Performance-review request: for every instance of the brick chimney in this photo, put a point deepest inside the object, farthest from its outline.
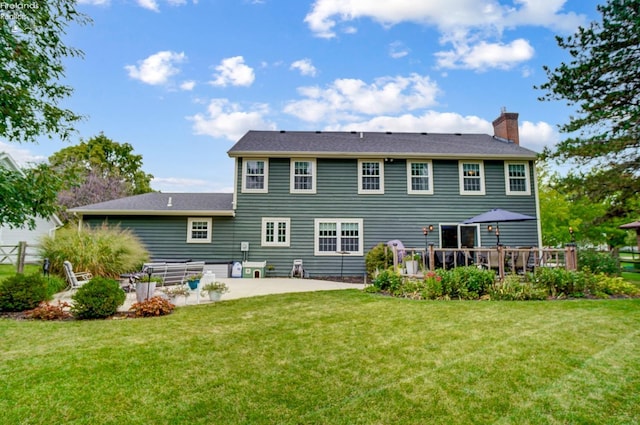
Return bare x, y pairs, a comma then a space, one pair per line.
506, 126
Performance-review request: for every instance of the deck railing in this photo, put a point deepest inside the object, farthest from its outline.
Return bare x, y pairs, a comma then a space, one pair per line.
501, 259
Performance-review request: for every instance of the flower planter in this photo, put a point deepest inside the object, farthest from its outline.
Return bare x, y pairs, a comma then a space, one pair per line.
215, 295
193, 284
412, 267
145, 290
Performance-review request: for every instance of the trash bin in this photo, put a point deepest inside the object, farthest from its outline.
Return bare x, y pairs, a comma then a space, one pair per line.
236, 269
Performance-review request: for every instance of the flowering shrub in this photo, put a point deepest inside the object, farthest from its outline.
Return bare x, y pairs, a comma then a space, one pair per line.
156, 306
432, 286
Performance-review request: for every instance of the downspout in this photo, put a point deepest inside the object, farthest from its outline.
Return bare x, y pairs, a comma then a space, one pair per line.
537, 195
235, 185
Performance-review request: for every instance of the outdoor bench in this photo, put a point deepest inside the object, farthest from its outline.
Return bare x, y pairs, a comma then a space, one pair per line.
172, 273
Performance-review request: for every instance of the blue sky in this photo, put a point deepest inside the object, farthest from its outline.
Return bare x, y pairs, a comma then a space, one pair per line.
182, 80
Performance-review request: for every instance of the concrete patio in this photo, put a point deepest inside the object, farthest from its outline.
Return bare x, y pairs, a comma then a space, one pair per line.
244, 288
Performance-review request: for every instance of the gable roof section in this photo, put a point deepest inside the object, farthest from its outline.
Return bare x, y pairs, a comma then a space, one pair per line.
156, 203
376, 144
7, 162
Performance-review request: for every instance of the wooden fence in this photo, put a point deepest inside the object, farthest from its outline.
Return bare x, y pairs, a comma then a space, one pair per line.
19, 255
501, 259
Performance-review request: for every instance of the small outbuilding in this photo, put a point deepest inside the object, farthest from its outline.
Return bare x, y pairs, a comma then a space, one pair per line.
634, 225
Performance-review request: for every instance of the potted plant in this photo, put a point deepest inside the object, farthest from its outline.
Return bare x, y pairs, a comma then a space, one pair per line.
215, 290
173, 292
193, 280
271, 269
146, 287
411, 263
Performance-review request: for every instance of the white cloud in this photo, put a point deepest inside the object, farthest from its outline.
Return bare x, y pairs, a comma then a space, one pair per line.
233, 71
187, 85
305, 67
179, 184
547, 13
21, 156
94, 2
447, 15
157, 68
146, 4
226, 119
472, 26
485, 55
534, 136
398, 50
349, 98
149, 4
430, 121
537, 136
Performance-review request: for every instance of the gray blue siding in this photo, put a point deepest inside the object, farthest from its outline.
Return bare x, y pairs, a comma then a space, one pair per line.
393, 215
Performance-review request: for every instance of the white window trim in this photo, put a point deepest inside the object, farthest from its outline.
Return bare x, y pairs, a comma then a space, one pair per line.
276, 220
429, 176
314, 173
338, 221
209, 222
362, 191
265, 189
461, 178
526, 178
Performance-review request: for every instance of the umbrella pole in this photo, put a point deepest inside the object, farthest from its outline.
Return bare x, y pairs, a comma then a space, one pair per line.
498, 233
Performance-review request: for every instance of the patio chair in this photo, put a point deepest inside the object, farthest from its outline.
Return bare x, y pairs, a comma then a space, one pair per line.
522, 261
75, 279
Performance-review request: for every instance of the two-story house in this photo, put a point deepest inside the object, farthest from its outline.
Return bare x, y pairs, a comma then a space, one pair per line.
328, 197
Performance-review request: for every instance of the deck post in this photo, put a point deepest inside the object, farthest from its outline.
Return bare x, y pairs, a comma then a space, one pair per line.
570, 257
432, 258
500, 262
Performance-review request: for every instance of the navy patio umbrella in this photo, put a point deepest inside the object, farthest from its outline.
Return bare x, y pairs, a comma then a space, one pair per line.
497, 216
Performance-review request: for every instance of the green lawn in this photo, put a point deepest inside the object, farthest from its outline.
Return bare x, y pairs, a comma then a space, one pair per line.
339, 357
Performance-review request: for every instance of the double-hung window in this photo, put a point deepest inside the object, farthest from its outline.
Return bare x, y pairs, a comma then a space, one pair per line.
370, 176
255, 175
276, 231
199, 230
471, 177
338, 236
420, 177
303, 176
516, 176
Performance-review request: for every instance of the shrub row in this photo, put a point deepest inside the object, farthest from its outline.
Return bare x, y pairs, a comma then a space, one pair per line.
470, 283
458, 283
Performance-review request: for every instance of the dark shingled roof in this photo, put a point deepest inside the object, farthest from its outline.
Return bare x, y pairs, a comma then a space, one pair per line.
157, 203
368, 144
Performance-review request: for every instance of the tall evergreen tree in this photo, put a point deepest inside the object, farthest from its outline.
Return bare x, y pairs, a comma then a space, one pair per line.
602, 81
